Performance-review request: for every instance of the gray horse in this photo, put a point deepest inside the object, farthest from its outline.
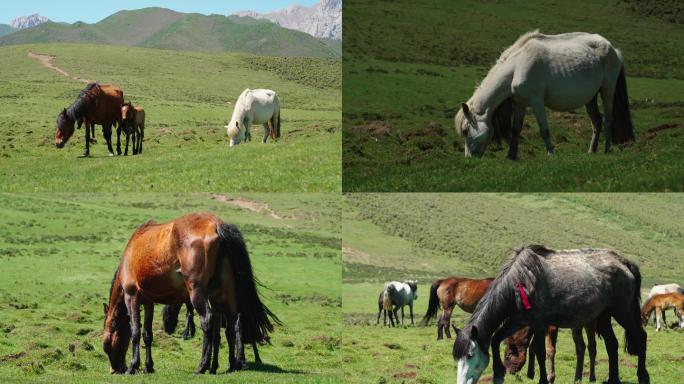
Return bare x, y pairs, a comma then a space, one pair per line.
396, 295
541, 287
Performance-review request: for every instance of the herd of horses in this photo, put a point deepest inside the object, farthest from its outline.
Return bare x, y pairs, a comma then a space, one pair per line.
104, 104
196, 260
538, 291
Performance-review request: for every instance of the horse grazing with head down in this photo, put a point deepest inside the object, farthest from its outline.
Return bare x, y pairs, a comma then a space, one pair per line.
133, 125
197, 258
661, 302
569, 289
396, 295
96, 104
562, 72
254, 106
452, 291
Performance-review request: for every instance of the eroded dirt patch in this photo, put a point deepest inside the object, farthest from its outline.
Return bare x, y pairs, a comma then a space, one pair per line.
46, 61
351, 254
249, 205
375, 128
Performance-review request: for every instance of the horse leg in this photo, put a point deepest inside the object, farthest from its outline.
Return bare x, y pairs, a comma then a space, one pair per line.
379, 311
447, 320
230, 338
402, 315
267, 132
579, 352
518, 119
440, 326
507, 329
107, 130
607, 94
629, 318
239, 347
133, 307
605, 329
141, 136
530, 360
540, 115
189, 331
540, 351
128, 135
658, 317
216, 343
664, 319
257, 359
551, 339
87, 141
595, 116
591, 339
201, 304
147, 337
411, 312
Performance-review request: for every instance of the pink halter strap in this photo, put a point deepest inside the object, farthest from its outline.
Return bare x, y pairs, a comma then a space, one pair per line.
523, 295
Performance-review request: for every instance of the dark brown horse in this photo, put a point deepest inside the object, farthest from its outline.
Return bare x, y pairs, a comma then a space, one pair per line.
197, 258
517, 344
452, 291
96, 104
133, 125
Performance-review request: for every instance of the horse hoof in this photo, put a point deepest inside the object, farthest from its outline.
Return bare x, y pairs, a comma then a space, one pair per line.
111, 154
130, 371
149, 370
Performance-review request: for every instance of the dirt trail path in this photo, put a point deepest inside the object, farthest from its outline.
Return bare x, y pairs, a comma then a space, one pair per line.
249, 205
46, 61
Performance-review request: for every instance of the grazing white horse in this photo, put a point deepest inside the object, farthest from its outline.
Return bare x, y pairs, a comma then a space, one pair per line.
398, 295
254, 106
562, 72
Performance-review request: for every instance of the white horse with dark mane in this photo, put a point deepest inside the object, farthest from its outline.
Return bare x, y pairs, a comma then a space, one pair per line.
396, 295
562, 72
254, 106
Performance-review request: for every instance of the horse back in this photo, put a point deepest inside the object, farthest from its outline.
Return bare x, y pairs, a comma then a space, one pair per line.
108, 103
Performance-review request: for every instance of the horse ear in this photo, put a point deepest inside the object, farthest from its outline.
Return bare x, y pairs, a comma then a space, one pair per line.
64, 111
456, 329
466, 110
106, 308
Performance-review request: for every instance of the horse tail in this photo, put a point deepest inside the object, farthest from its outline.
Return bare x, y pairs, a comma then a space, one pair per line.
256, 319
277, 124
433, 304
386, 298
622, 130
170, 317
635, 338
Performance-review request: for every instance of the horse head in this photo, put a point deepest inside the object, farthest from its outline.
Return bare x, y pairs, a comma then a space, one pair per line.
475, 129
235, 132
117, 330
64, 129
471, 355
515, 354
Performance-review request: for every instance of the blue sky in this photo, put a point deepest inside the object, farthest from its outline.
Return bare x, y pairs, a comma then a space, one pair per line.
92, 11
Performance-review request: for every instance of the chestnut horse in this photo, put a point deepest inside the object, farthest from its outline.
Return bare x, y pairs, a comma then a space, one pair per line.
96, 104
461, 291
197, 258
659, 303
132, 124
517, 344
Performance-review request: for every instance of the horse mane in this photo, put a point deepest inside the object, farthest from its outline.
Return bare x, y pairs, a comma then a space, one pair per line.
144, 227
79, 107
523, 266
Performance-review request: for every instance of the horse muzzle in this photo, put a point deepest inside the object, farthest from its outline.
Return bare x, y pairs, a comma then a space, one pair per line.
59, 143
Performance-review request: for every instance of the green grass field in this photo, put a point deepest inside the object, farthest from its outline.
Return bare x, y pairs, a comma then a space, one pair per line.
59, 252
188, 99
411, 70
429, 236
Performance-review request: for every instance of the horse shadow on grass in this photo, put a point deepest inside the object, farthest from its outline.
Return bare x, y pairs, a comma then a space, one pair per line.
270, 368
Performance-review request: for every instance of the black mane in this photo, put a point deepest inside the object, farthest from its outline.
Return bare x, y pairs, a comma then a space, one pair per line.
79, 107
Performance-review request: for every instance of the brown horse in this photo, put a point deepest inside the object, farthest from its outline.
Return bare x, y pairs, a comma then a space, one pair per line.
461, 291
517, 344
660, 303
133, 124
196, 257
96, 104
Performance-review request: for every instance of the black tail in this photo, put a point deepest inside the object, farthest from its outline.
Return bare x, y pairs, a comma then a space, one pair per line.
256, 318
170, 317
433, 305
277, 126
635, 340
622, 129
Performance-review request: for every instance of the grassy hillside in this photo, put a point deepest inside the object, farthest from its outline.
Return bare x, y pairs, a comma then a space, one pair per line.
59, 252
430, 236
6, 29
406, 73
188, 99
167, 29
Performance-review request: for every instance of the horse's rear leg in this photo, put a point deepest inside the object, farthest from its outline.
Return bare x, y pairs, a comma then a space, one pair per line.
189, 331
133, 307
201, 304
579, 352
597, 125
216, 343
147, 338
141, 135
540, 115
607, 95
107, 132
591, 339
411, 312
257, 359
267, 132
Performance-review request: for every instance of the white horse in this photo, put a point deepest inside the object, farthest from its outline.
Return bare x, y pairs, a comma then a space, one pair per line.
254, 106
396, 295
661, 289
562, 72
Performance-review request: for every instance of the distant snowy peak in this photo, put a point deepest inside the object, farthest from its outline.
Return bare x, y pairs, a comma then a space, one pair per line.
28, 21
323, 20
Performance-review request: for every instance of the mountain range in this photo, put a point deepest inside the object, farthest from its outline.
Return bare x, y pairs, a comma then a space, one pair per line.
168, 29
28, 21
322, 20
